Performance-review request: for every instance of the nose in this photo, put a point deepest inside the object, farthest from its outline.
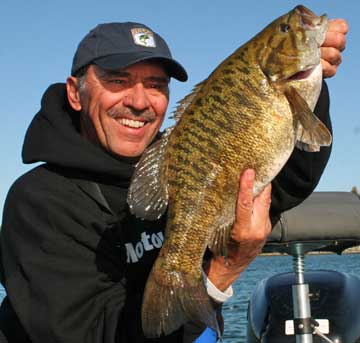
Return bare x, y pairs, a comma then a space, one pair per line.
136, 98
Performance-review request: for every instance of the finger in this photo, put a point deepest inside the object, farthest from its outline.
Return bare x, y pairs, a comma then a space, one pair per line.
329, 70
331, 55
263, 201
261, 210
338, 25
245, 198
335, 39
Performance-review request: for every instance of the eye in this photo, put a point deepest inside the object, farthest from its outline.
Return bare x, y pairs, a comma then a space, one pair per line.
155, 85
158, 86
118, 81
285, 27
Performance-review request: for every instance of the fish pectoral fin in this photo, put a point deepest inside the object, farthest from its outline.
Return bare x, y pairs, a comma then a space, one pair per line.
311, 133
148, 194
219, 239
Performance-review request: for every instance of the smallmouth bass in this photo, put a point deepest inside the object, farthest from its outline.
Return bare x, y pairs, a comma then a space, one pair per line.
251, 112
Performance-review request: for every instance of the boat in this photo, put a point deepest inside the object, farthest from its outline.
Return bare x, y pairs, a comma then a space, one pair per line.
310, 306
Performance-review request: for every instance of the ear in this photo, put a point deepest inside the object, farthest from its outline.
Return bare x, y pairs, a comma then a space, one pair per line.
73, 94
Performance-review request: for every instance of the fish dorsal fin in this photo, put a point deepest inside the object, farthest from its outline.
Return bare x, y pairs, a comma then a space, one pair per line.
148, 194
186, 101
311, 132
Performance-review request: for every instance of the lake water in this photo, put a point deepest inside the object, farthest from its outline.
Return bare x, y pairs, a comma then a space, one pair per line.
234, 310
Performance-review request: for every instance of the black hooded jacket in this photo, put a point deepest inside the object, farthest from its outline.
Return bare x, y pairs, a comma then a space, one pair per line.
74, 261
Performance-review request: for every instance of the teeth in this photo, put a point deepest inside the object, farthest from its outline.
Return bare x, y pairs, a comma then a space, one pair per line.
132, 123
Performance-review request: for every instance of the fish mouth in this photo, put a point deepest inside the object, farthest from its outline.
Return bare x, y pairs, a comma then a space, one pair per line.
308, 18
310, 21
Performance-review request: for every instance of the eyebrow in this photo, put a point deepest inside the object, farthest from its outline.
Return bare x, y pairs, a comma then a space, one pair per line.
121, 73
163, 79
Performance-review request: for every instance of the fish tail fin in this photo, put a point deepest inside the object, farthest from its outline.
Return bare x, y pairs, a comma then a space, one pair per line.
166, 307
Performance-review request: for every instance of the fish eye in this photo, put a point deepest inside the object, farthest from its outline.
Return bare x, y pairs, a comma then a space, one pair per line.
284, 27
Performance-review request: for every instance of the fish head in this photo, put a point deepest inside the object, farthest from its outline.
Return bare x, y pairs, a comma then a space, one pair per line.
291, 45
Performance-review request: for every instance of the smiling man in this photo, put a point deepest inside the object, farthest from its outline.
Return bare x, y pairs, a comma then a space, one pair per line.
74, 261
123, 109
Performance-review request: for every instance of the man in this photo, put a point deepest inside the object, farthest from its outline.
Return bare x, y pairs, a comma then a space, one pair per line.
74, 260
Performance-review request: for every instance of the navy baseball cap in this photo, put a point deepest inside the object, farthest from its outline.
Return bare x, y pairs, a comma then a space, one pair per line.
118, 45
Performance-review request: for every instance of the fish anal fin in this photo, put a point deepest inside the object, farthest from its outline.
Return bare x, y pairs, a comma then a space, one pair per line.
220, 238
148, 194
311, 133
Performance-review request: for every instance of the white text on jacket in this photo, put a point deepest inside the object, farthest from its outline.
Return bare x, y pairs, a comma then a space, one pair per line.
148, 242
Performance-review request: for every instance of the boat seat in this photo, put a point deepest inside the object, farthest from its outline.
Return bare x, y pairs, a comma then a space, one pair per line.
328, 221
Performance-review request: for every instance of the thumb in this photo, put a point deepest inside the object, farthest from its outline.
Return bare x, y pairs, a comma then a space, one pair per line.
244, 206
262, 206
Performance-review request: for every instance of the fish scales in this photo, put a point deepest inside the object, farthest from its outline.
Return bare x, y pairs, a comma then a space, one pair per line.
249, 113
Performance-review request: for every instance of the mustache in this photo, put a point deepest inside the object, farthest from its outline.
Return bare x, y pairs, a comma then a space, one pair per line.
119, 112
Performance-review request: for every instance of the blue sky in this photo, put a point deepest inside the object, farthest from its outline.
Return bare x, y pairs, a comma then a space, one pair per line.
38, 40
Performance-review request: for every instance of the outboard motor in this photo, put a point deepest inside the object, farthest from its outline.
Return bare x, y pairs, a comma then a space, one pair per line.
310, 306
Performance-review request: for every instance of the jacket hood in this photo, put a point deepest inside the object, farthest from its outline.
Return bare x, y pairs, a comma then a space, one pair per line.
53, 137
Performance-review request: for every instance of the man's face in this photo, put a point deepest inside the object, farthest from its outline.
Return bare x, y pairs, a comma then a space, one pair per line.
123, 110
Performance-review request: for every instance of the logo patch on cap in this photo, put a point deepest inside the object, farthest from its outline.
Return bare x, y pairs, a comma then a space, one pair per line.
143, 37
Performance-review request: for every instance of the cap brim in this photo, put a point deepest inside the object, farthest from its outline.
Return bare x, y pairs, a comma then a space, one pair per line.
118, 61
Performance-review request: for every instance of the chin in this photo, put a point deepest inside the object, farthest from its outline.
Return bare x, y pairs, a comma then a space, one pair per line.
131, 151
